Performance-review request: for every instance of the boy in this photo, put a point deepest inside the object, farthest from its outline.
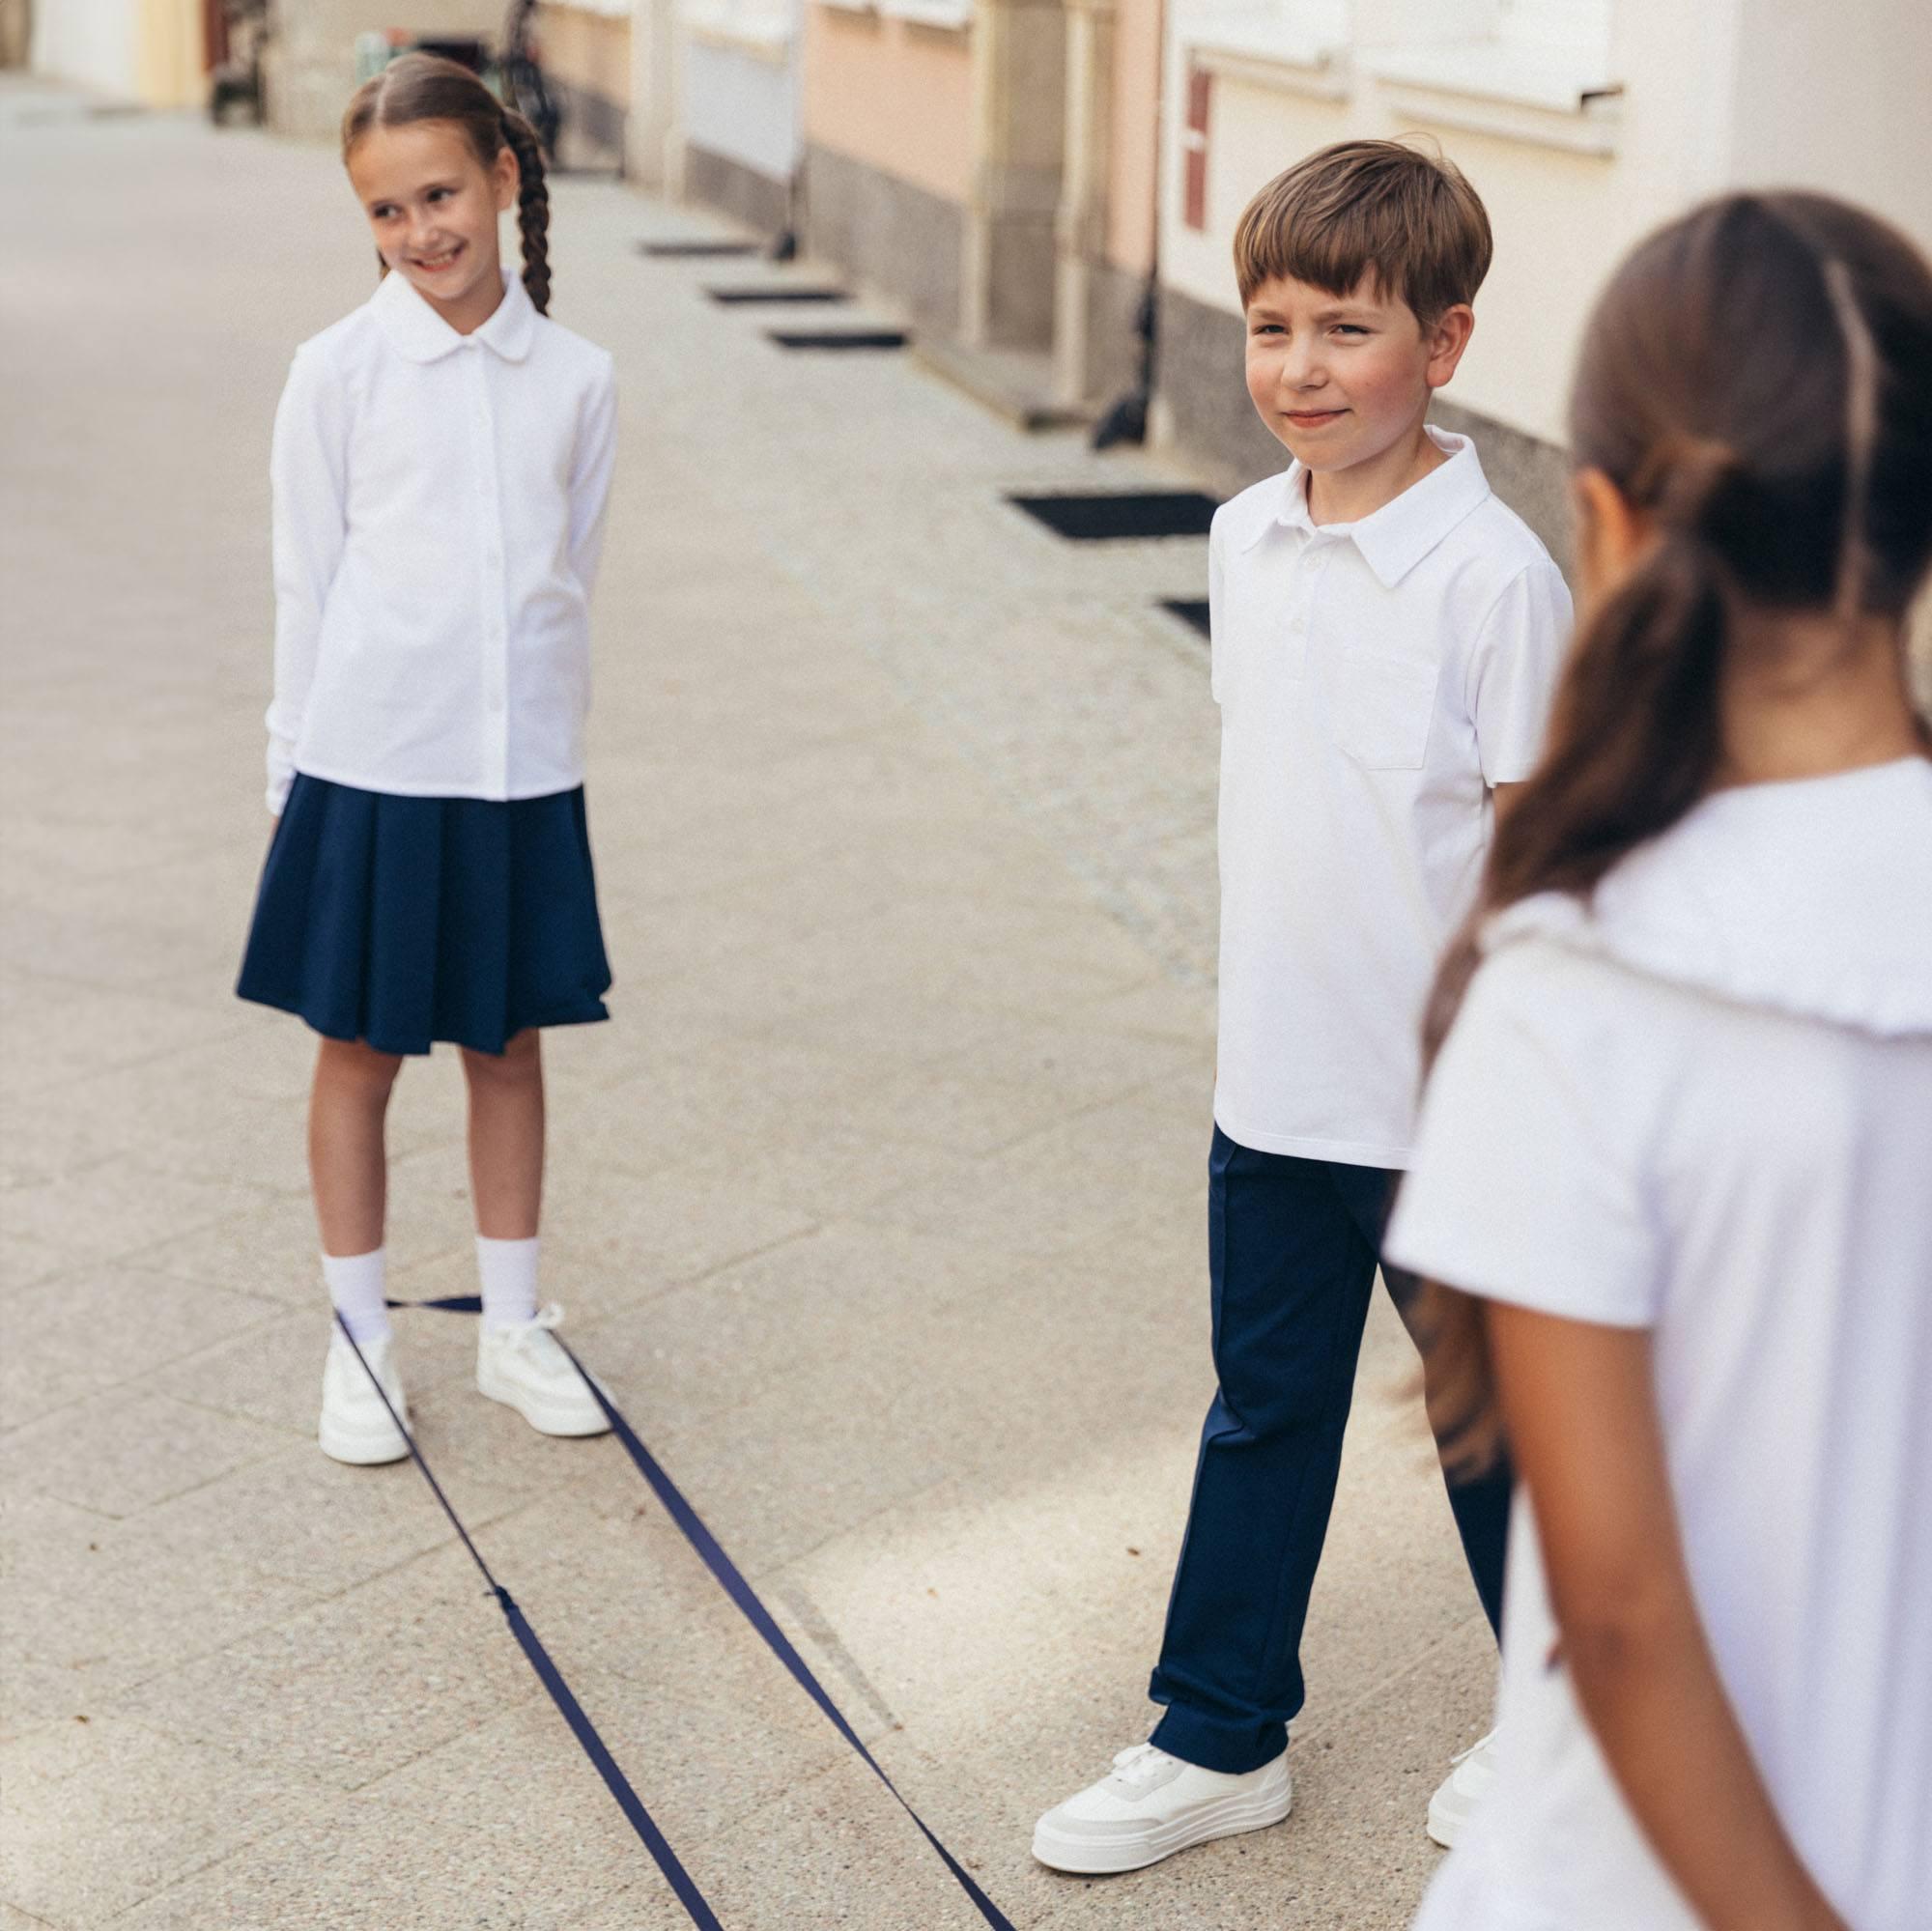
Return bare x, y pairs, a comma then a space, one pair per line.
1386, 637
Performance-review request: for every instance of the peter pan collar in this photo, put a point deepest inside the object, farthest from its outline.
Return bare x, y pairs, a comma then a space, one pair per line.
1812, 898
416, 330
1399, 535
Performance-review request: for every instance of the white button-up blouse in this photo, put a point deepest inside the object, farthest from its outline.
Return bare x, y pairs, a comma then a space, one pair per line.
439, 511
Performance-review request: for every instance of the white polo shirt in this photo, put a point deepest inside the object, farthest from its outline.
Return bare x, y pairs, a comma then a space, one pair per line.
1374, 680
438, 510
1704, 1108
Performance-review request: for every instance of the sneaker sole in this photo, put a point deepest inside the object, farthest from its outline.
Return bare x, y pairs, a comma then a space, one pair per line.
1226, 1817
544, 1419
360, 1451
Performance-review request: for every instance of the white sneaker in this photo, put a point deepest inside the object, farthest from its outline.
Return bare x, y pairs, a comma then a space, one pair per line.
1154, 1805
355, 1426
525, 1367
1467, 1784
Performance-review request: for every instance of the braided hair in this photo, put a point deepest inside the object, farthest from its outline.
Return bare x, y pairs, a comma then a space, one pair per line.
1757, 381
426, 87
532, 205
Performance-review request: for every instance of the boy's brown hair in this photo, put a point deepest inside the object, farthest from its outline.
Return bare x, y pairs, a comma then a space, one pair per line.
1376, 208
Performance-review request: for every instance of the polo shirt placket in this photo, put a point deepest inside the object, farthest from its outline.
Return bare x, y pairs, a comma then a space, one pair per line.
494, 642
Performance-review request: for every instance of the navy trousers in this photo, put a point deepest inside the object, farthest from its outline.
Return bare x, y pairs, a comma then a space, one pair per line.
1293, 1247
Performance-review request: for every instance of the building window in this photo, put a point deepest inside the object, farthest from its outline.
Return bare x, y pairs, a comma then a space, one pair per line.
1194, 147
1543, 57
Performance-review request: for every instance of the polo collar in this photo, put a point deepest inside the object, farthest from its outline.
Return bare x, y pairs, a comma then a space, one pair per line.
1399, 535
416, 330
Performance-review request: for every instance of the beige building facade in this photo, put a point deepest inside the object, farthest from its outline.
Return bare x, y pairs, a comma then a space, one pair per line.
1582, 123
585, 47
990, 166
151, 52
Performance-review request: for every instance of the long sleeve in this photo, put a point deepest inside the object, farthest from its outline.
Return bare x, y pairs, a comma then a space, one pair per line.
595, 457
309, 474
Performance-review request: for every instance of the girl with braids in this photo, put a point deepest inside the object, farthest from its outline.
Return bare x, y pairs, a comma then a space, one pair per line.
441, 458
1675, 1161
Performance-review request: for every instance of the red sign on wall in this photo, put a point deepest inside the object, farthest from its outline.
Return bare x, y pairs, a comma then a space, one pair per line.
1194, 148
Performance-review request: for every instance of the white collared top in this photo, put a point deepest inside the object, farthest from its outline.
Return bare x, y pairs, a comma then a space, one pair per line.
1701, 1105
439, 511
1374, 679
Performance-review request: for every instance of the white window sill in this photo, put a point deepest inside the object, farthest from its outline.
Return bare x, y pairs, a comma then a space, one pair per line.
944, 15
772, 45
1551, 95
1255, 58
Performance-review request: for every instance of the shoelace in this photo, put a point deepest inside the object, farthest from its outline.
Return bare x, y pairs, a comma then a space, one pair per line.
1138, 1763
1481, 1743
548, 1317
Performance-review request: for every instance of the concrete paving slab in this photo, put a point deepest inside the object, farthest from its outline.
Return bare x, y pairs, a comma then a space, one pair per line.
104, 1812
93, 1605
96, 1327
369, 1863
342, 1694
103, 1214
116, 1453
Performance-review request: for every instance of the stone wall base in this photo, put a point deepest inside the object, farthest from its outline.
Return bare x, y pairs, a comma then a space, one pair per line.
733, 188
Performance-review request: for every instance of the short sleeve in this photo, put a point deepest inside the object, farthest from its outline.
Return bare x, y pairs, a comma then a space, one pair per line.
1214, 600
1513, 671
1522, 1188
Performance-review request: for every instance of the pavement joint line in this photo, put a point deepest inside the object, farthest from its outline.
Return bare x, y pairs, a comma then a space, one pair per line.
30, 1917
817, 1626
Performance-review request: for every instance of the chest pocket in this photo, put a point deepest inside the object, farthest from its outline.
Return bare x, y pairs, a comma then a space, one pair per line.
1381, 699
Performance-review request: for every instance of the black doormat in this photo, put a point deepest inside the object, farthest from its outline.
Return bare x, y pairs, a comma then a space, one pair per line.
838, 338
1094, 518
1191, 610
737, 296
696, 250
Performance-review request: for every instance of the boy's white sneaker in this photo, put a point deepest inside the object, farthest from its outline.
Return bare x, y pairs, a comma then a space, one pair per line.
1153, 1805
354, 1426
1471, 1777
524, 1368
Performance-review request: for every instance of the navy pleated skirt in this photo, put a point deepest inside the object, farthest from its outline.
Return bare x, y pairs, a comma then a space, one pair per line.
404, 920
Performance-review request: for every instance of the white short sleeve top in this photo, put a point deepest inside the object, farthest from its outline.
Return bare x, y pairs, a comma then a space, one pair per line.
1374, 679
1703, 1107
439, 513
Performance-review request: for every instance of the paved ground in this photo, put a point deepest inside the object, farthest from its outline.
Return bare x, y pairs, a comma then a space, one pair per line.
878, 1204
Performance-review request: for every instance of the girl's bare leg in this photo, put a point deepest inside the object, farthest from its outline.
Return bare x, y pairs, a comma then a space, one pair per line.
346, 1162
506, 1137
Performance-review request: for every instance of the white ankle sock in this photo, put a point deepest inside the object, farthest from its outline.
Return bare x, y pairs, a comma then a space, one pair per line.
356, 1285
508, 1271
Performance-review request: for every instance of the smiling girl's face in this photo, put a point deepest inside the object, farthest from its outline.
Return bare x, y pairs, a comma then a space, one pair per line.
432, 208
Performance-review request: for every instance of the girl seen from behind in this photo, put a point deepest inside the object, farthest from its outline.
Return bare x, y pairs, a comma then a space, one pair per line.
442, 459
1672, 1165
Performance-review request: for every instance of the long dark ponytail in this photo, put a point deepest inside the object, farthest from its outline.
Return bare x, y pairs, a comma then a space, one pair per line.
426, 87
1757, 382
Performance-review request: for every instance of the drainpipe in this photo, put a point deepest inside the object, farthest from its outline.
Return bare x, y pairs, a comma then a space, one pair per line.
1126, 418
